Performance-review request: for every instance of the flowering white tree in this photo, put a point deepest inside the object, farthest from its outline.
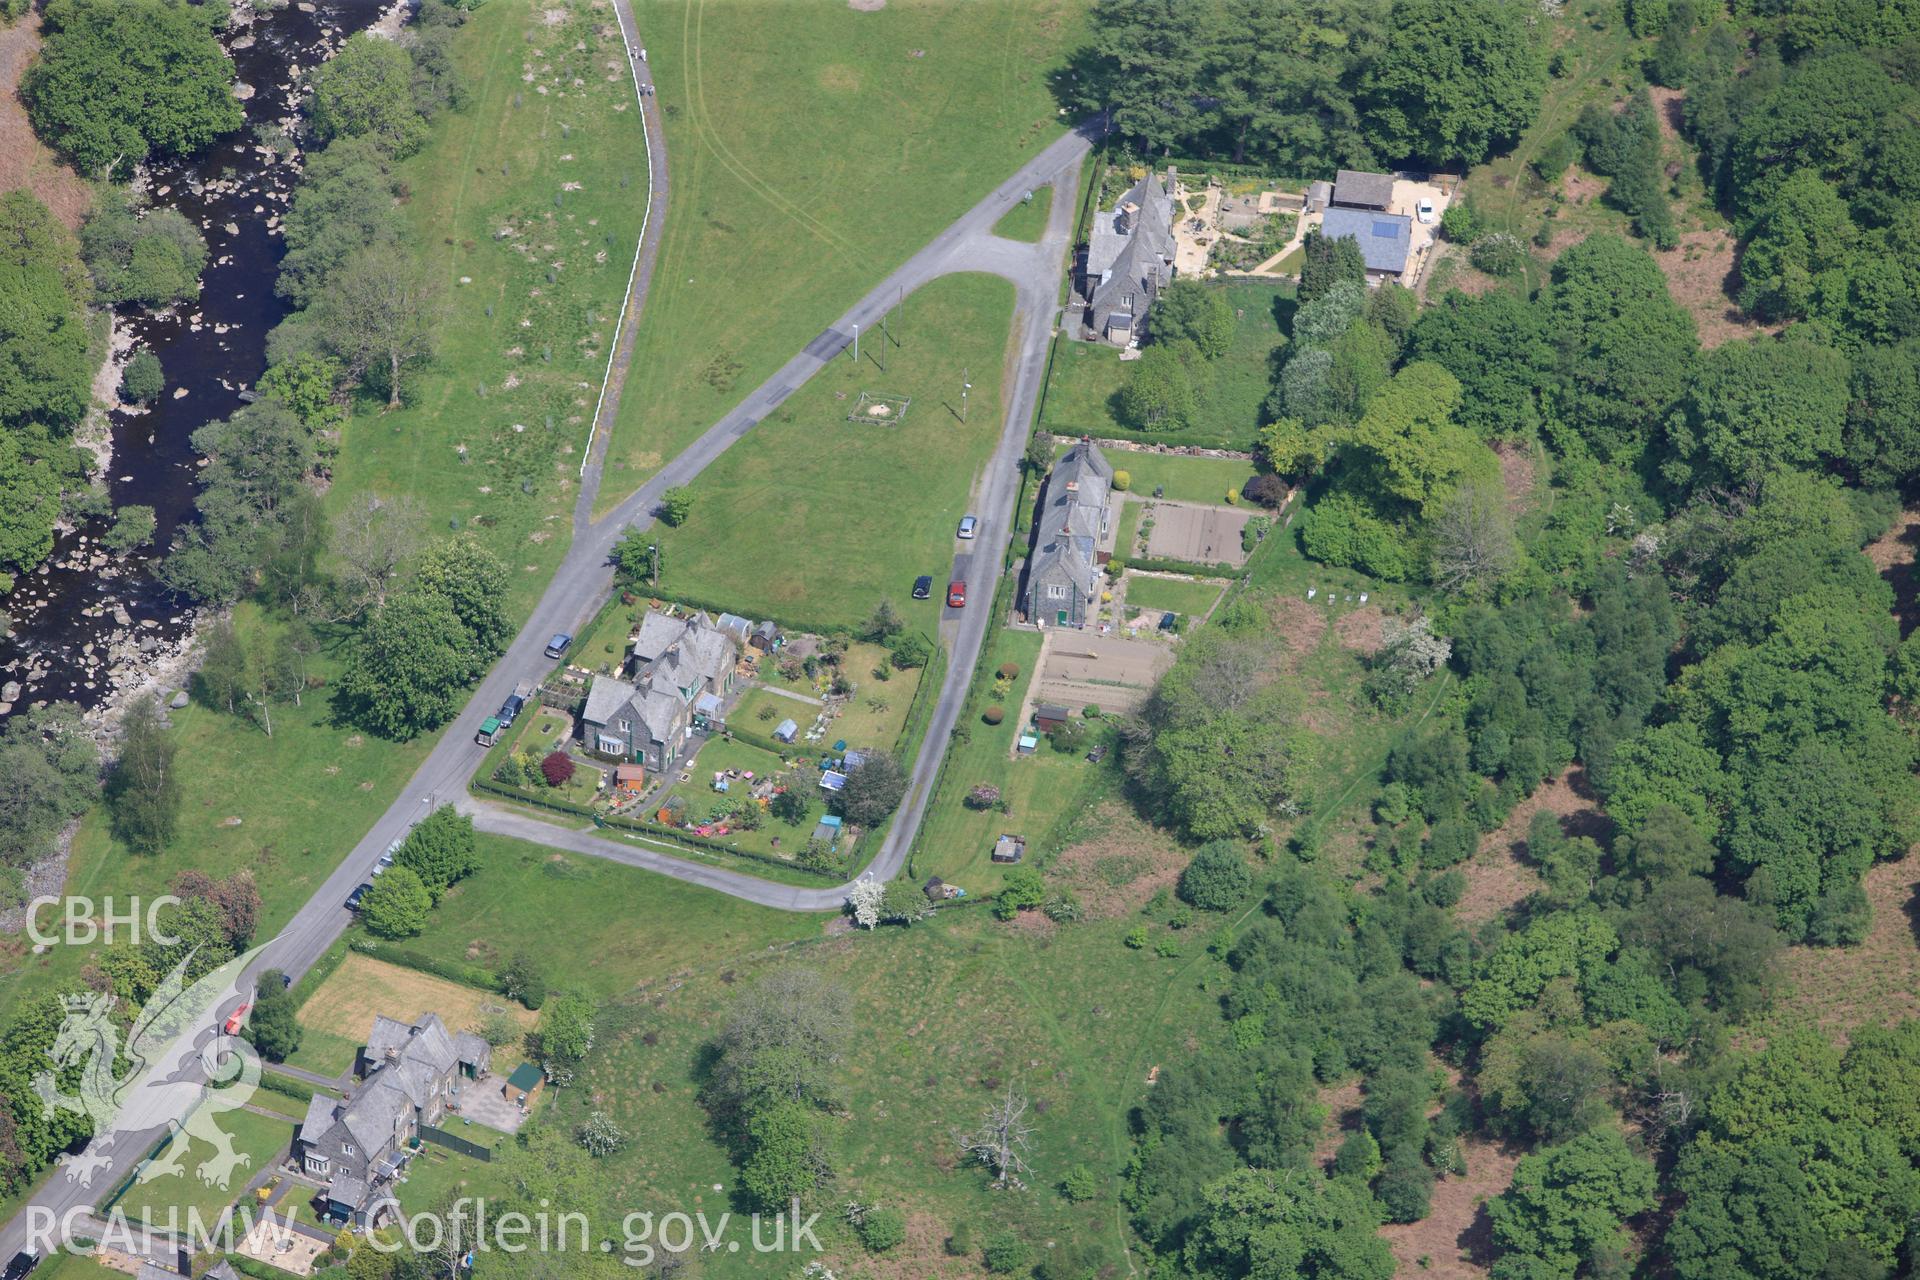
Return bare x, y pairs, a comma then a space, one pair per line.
864, 897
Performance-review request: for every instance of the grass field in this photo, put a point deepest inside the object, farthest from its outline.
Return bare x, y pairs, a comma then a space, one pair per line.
288, 807
435, 1174
593, 924
260, 1137
945, 1015
1084, 382
814, 148
1190, 598
1027, 220
811, 519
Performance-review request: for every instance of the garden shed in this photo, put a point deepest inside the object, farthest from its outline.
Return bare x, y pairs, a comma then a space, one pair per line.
1009, 849
786, 731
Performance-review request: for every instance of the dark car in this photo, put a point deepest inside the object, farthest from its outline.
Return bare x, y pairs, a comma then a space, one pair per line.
23, 1262
923, 586
510, 709
558, 646
353, 899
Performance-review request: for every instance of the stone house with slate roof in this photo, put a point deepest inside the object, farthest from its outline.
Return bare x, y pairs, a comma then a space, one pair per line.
675, 663
1129, 261
1064, 578
410, 1074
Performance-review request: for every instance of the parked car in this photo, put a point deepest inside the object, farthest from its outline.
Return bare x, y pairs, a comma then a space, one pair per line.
1424, 211
967, 525
956, 595
237, 1019
923, 586
21, 1264
510, 709
353, 899
558, 646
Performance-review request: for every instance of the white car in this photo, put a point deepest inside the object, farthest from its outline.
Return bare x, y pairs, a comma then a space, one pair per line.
1424, 211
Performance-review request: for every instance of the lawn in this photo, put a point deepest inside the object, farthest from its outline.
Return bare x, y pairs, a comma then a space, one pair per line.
1185, 479
260, 1137
288, 806
811, 519
1028, 219
814, 148
1085, 378
1169, 594
1040, 790
593, 924
436, 1174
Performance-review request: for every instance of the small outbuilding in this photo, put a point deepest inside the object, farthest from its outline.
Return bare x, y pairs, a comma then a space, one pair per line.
630, 778
1009, 849
1049, 716
786, 731
765, 637
523, 1086
832, 780
1358, 189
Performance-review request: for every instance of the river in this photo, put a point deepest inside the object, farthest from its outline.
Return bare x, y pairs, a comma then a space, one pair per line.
88, 624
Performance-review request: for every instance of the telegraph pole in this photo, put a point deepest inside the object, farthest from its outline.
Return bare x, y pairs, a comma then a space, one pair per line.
965, 386
856, 344
884, 339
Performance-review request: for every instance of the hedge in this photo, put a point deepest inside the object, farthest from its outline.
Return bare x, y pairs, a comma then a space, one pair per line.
467, 975
1151, 565
288, 1086
654, 829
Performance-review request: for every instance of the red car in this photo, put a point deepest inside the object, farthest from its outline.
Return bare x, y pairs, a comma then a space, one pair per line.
956, 595
237, 1018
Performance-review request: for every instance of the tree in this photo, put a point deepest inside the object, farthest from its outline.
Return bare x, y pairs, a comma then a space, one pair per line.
1142, 66
45, 371
49, 771
253, 501
1159, 393
882, 1229
440, 850
863, 900
380, 309
1758, 405
144, 379
792, 800
1495, 346
153, 257
599, 1135
910, 651
565, 1036
274, 1027
1625, 349
408, 666
143, 790
781, 1042
1457, 80
903, 902
1474, 549
1795, 264
345, 202
1038, 458
366, 90
1256, 1223
397, 905
1002, 1141
1881, 439
784, 1162
882, 624
370, 541
1568, 1205
873, 790
556, 767
472, 580
676, 504
222, 678
1217, 878
1188, 311
119, 80
1327, 262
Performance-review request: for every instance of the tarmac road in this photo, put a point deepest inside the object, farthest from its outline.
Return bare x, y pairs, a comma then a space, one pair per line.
585, 578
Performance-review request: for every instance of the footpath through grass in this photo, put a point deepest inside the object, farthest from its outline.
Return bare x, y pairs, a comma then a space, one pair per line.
814, 148
290, 805
812, 519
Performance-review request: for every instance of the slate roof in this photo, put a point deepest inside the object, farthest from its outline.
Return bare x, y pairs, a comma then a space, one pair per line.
1131, 249
605, 696
658, 712
1077, 496
319, 1118
1359, 188
472, 1050
1385, 239
656, 635
348, 1190
373, 1116
1063, 556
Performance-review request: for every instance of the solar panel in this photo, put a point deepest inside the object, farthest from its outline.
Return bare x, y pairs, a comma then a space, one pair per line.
1387, 230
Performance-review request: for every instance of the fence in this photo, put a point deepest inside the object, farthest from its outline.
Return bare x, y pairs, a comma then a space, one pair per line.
454, 1142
